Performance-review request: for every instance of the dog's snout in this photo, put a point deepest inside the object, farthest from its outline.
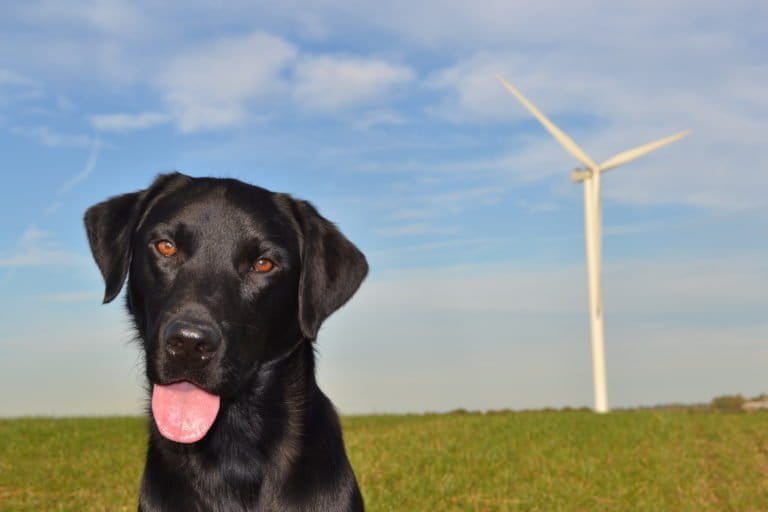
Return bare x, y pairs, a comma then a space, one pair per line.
191, 342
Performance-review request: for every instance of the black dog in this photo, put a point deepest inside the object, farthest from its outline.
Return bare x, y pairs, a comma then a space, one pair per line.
227, 286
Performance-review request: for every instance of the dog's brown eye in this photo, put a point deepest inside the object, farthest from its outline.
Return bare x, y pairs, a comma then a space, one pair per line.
263, 265
166, 248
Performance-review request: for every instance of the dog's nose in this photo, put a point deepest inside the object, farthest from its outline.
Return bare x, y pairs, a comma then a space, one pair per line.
191, 342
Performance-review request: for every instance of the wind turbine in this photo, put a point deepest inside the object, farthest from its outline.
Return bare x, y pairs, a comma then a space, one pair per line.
590, 176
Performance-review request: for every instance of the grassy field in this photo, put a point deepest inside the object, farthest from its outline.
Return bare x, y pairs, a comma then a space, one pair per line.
533, 461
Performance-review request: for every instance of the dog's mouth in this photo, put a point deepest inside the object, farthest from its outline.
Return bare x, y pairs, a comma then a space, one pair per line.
183, 412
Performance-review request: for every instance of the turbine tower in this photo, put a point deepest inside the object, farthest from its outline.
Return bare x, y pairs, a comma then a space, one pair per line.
590, 176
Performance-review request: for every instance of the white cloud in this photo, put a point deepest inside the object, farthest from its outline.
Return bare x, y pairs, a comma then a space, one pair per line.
474, 93
432, 210
379, 118
214, 86
78, 178
225, 83
458, 27
8, 77
95, 59
414, 229
637, 102
331, 83
541, 207
128, 122
64, 103
32, 235
48, 137
37, 248
16, 89
110, 17
53, 207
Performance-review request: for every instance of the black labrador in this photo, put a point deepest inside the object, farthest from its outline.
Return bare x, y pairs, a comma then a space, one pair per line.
228, 285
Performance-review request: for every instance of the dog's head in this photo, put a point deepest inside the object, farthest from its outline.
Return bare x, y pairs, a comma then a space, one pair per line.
223, 278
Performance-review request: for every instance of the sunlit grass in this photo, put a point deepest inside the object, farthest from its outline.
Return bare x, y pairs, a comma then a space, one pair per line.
532, 461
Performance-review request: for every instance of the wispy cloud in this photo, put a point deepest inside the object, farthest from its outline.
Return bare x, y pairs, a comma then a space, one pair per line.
213, 86
414, 229
8, 77
332, 83
128, 122
539, 206
226, 82
32, 235
112, 17
36, 248
48, 137
90, 165
529, 159
379, 118
53, 207
474, 195
65, 103
606, 113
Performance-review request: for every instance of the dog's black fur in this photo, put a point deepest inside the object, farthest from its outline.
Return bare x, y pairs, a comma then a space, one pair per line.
276, 444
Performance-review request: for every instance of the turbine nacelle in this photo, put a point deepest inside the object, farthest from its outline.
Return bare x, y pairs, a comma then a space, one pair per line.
580, 174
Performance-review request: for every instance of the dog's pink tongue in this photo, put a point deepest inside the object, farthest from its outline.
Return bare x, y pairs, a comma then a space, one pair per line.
183, 412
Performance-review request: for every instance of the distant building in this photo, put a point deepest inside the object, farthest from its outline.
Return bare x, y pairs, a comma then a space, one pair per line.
756, 405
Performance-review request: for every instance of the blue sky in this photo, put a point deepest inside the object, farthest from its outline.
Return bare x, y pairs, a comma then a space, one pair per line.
388, 117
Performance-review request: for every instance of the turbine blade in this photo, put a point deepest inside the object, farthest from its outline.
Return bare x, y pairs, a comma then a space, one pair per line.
631, 154
558, 134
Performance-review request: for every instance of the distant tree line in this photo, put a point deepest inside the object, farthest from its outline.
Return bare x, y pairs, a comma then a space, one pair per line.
736, 403
723, 403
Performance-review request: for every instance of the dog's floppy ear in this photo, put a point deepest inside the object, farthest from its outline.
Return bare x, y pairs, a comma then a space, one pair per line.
332, 268
110, 226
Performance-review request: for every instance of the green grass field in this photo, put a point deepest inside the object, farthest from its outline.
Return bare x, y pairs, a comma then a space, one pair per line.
533, 461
